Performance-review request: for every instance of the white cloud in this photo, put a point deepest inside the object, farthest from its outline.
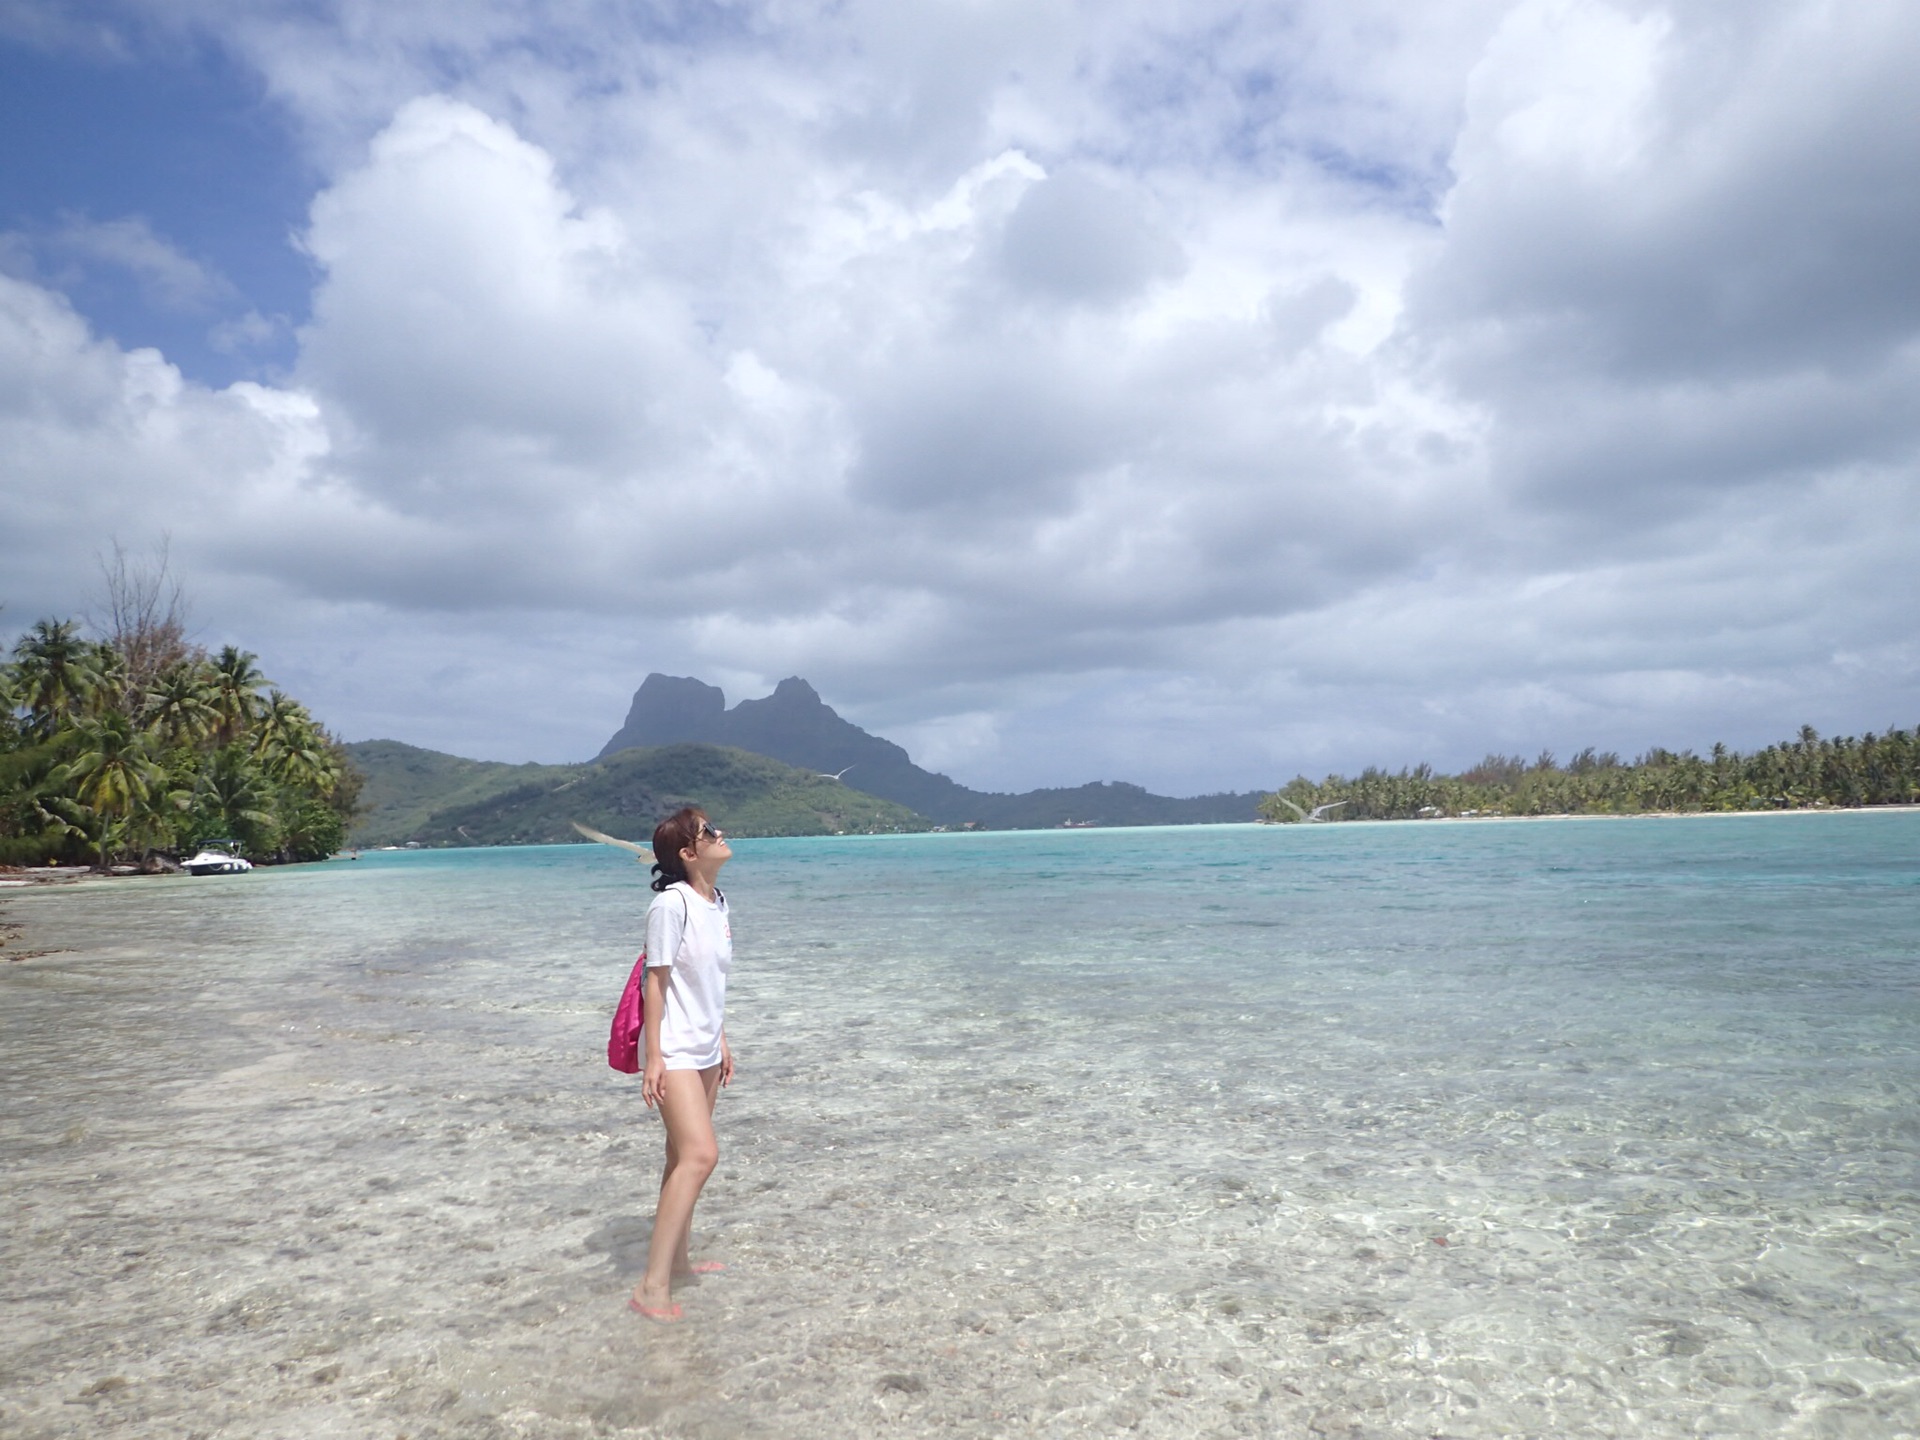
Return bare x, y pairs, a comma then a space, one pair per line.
1189, 395
1567, 88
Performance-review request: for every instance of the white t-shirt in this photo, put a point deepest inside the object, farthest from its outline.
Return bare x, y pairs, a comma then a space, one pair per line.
692, 938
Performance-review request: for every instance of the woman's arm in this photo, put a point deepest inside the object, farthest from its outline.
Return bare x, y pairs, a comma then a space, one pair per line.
652, 1083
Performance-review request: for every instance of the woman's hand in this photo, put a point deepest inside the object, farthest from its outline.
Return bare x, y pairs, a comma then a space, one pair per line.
726, 1061
653, 1084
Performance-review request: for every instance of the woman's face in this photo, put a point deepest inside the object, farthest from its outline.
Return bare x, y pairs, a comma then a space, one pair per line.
709, 850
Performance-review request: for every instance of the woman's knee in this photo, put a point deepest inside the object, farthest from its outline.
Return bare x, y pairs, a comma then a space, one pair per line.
700, 1155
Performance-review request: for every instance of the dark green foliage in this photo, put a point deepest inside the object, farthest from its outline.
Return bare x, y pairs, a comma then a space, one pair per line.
232, 798
1799, 774
103, 759
432, 799
26, 827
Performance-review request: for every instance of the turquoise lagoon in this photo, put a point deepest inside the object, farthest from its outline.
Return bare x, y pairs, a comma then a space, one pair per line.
1581, 1128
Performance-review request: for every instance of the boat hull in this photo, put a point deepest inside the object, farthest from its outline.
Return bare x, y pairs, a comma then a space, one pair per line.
217, 865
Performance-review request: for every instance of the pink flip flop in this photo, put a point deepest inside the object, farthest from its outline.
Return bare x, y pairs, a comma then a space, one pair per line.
707, 1267
653, 1312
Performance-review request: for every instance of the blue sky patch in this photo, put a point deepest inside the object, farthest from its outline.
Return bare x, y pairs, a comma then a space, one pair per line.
161, 195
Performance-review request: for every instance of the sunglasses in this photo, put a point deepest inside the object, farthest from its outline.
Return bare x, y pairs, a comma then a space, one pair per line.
708, 832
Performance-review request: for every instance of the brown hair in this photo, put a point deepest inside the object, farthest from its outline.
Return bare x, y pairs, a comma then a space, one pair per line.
679, 831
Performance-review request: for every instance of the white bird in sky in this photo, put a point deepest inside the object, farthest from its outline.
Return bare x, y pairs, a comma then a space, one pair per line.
836, 776
1319, 811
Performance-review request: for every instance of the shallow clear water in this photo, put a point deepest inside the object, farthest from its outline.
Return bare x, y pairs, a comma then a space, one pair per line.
1561, 1129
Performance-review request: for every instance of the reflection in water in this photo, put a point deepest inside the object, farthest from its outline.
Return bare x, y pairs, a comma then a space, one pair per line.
1578, 1129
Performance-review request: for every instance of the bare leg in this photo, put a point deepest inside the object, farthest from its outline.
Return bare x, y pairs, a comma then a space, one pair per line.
692, 1152
682, 1263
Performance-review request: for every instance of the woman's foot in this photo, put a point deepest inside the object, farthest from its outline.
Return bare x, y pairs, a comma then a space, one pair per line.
657, 1306
705, 1267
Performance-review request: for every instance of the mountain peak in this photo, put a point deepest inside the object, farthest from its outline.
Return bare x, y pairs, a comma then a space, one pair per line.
796, 726
793, 725
793, 690
669, 710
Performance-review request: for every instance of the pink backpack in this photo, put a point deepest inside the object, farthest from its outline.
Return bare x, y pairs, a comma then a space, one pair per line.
629, 1021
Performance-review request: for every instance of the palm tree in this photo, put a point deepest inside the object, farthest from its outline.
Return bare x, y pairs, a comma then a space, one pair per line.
12, 702
108, 685
237, 682
115, 780
275, 724
233, 798
295, 751
53, 673
180, 704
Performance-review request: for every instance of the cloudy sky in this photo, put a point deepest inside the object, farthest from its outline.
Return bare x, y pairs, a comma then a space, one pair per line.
1192, 393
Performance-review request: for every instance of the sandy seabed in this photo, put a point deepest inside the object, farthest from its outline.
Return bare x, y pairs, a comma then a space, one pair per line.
282, 1166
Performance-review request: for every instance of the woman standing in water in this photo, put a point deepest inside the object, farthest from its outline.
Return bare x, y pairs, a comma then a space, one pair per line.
689, 952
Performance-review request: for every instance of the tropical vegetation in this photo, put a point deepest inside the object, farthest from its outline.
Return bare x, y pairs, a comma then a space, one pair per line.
140, 745
422, 797
1805, 773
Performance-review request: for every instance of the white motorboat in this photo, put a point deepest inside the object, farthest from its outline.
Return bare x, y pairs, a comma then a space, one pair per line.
218, 857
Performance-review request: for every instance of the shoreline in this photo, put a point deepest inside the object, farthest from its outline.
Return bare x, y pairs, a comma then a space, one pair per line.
23, 877
1630, 815
20, 877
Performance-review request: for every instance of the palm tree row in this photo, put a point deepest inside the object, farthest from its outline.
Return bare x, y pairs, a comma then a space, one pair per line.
1798, 774
98, 761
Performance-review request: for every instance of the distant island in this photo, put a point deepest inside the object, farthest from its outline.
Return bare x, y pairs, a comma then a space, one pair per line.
139, 746
1805, 773
788, 764
422, 797
796, 726
785, 764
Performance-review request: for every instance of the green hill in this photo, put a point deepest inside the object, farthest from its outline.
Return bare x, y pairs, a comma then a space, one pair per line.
434, 799
406, 785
